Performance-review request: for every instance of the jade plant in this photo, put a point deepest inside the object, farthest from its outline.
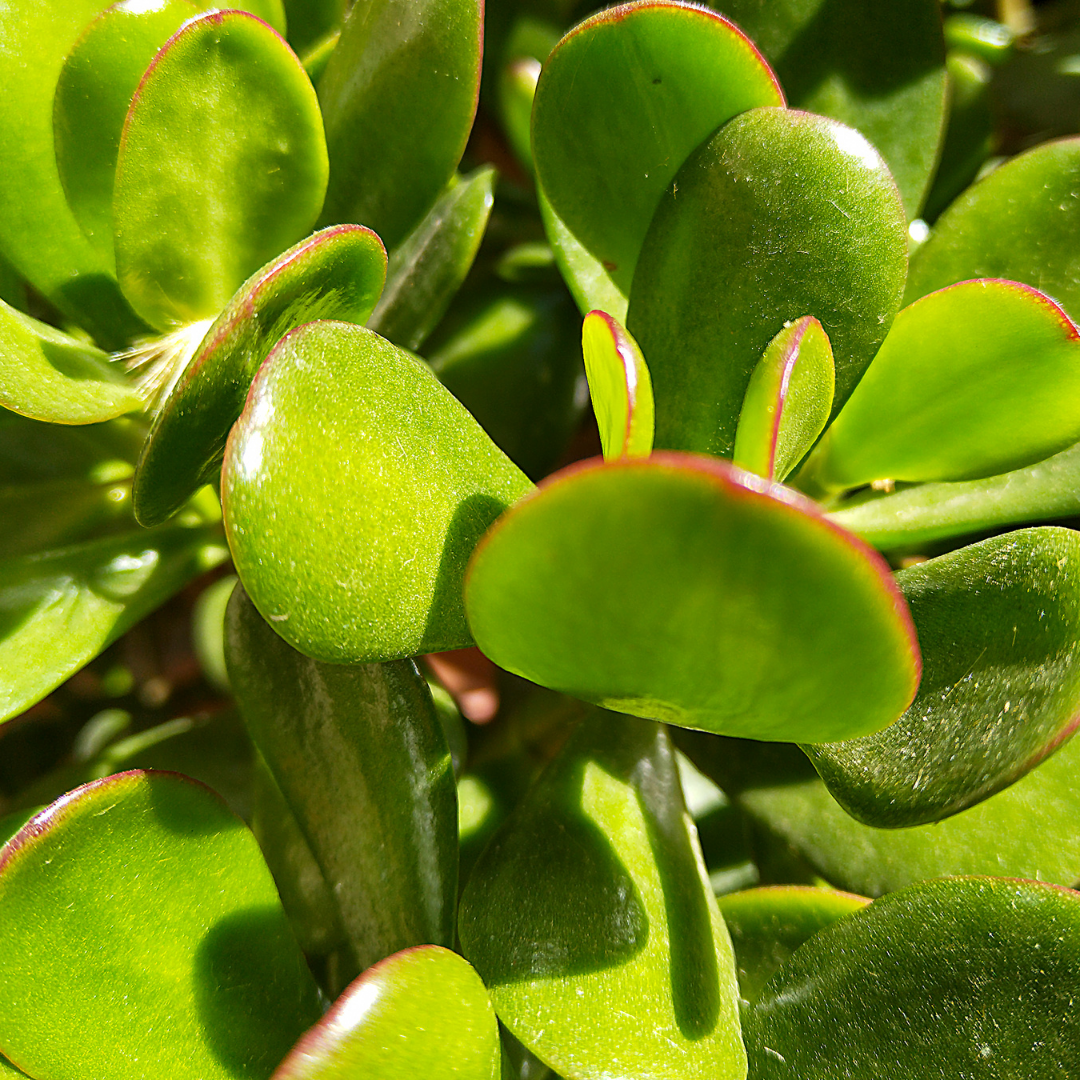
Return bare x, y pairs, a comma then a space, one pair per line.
617, 470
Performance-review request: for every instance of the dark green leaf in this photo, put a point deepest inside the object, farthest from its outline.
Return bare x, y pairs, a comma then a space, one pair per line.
620, 387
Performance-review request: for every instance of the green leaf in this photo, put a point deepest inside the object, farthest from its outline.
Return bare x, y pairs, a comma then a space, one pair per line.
1022, 223
517, 88
779, 215
10, 824
976, 379
193, 972
686, 590
38, 232
767, 925
337, 273
601, 868
917, 515
1026, 831
34, 452
430, 264
98, 80
9, 1070
976, 977
422, 1012
365, 770
400, 66
355, 488
620, 387
222, 165
310, 20
60, 608
788, 400
879, 68
999, 630
47, 375
622, 101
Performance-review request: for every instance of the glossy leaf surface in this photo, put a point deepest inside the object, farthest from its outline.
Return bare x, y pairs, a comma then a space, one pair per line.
222, 165
976, 379
600, 865
974, 977
620, 387
999, 629
401, 66
365, 769
59, 609
1022, 222
194, 972
98, 80
355, 488
879, 68
686, 590
767, 925
337, 273
915, 515
429, 265
421, 1012
788, 401
1028, 830
622, 101
779, 215
48, 375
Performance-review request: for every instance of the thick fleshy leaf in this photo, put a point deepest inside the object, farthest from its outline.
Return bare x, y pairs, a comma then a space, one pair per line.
914, 516
47, 375
98, 80
59, 609
999, 629
1028, 830
767, 925
365, 769
511, 356
779, 215
687, 590
879, 68
38, 232
517, 88
1022, 223
422, 1012
787, 402
976, 379
194, 972
9, 1070
612, 912
429, 265
335, 274
976, 977
620, 387
222, 165
10, 824
310, 20
622, 101
355, 488
401, 66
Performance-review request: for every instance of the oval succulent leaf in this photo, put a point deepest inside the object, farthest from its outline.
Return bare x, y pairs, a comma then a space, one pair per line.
422, 1012
622, 101
999, 629
222, 165
1022, 223
355, 488
767, 925
98, 80
779, 215
882, 992
620, 387
975, 379
400, 66
47, 375
365, 770
194, 971
787, 402
337, 273
600, 864
879, 68
684, 589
